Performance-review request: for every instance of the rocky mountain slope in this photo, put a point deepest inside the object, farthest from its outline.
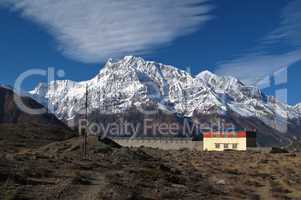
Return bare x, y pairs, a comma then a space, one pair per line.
19, 129
149, 87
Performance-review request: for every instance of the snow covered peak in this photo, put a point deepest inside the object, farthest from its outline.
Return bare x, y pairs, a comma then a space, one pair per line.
217, 81
124, 60
128, 58
109, 62
298, 105
297, 108
41, 88
132, 81
206, 75
123, 64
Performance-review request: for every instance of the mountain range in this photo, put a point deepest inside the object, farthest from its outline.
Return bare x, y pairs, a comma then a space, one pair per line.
134, 89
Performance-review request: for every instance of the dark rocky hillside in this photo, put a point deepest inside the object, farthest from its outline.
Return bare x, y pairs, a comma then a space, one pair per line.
19, 130
191, 126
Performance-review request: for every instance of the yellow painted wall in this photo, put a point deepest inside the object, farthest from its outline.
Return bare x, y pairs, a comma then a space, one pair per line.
209, 143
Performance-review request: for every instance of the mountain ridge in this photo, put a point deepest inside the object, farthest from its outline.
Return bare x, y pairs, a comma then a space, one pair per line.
133, 82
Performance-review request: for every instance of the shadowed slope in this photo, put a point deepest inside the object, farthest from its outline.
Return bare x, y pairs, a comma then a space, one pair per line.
22, 130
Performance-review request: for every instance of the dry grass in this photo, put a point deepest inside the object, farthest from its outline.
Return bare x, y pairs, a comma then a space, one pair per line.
56, 171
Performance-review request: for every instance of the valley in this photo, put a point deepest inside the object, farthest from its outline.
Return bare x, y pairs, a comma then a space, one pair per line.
56, 171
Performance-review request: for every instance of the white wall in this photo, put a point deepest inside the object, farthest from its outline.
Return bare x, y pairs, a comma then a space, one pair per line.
209, 143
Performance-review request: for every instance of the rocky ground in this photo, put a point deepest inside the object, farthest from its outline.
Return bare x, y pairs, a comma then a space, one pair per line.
56, 171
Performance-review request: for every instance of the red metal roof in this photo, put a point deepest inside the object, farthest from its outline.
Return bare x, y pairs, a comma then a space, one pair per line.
217, 134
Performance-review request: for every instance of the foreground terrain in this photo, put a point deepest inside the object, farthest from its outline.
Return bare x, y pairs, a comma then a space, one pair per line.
56, 171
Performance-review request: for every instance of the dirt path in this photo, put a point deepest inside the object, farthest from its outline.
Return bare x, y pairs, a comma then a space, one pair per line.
89, 191
97, 185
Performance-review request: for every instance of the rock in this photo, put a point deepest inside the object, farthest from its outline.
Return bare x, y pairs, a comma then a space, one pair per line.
221, 182
179, 186
278, 150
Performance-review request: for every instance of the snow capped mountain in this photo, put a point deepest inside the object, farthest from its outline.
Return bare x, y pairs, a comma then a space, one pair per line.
134, 82
298, 107
297, 110
130, 82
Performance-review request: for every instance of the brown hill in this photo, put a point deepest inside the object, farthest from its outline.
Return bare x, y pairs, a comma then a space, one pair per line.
21, 130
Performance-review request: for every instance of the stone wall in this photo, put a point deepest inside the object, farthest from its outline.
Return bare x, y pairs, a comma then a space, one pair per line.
161, 143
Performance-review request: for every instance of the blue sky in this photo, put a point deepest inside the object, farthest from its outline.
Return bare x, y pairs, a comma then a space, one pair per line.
246, 39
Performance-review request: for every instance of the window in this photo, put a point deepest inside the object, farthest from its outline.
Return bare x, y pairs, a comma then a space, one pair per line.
217, 146
234, 146
226, 146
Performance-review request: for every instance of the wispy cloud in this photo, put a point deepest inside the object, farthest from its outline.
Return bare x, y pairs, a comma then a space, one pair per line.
252, 68
289, 30
93, 30
260, 62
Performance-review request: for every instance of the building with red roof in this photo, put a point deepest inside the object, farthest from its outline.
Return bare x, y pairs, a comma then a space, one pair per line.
228, 140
